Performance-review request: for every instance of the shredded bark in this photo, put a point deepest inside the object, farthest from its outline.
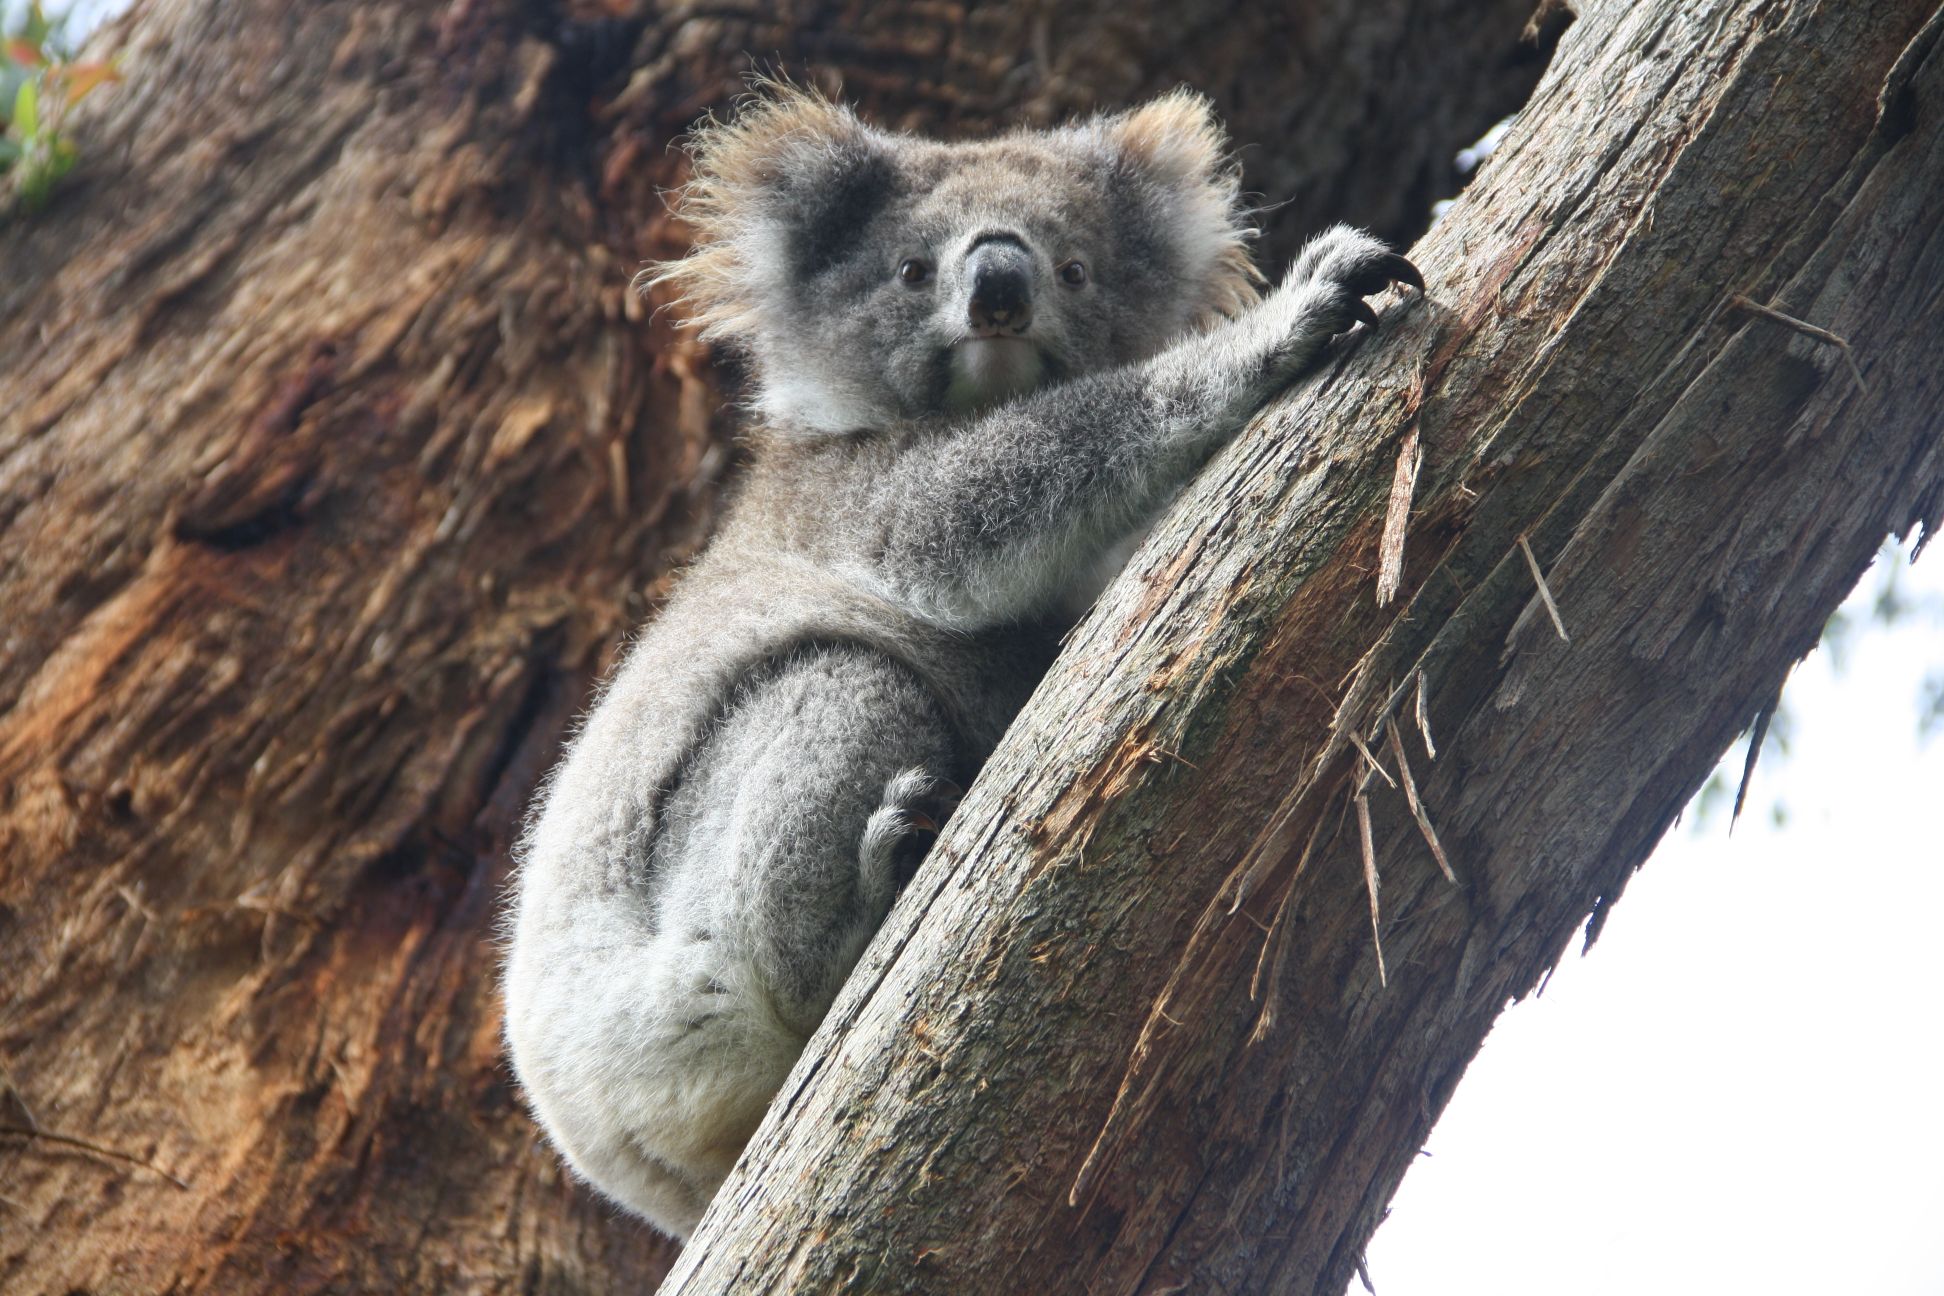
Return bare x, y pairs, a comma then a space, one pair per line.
1545, 594
1417, 806
1397, 520
1804, 327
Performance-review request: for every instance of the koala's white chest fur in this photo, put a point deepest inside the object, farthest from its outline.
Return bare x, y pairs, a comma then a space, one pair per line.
985, 370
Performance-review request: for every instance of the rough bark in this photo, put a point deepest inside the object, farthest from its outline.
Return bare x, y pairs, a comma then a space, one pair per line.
1130, 1031
334, 458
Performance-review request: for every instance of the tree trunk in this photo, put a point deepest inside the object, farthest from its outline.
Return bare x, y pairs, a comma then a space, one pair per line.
334, 458
1131, 1029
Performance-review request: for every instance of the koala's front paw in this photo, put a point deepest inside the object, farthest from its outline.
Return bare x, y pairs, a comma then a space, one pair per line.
1323, 295
1342, 266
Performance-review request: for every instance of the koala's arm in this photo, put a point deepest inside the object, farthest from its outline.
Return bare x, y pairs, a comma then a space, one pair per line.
989, 521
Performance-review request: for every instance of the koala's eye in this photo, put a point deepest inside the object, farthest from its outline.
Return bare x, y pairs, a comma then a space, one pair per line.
913, 272
1072, 273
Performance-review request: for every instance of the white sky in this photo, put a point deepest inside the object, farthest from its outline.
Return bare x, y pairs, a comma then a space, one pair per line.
1741, 1088
85, 15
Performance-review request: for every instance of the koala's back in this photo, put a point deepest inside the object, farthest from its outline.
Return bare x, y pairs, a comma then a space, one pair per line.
763, 592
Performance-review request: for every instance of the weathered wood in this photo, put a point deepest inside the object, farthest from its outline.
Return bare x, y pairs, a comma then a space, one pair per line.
334, 456
1127, 1032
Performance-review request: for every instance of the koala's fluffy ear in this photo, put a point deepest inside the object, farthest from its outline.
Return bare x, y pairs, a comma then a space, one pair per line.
774, 194
1176, 147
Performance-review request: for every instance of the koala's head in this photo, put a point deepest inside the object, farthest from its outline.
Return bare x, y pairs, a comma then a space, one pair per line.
873, 277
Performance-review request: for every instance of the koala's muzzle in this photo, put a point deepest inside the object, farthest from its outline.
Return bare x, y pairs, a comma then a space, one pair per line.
1000, 270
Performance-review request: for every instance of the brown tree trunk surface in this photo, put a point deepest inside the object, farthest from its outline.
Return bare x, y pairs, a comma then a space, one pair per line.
334, 459
1130, 1032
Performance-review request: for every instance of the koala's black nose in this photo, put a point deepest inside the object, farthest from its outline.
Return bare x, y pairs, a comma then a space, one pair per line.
1001, 271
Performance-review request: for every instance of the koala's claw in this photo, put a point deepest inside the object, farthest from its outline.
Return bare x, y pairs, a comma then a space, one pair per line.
1360, 310
1402, 271
1383, 271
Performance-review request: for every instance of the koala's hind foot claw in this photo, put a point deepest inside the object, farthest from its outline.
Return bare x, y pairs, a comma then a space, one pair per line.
904, 826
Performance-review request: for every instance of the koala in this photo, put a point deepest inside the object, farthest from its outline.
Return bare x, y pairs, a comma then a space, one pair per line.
978, 369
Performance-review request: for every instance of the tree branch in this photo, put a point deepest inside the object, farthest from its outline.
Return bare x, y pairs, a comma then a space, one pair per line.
1043, 1076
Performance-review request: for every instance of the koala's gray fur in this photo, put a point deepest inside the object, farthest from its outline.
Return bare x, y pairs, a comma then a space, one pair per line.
941, 464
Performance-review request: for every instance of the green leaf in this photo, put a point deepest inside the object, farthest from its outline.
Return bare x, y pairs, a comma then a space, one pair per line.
26, 114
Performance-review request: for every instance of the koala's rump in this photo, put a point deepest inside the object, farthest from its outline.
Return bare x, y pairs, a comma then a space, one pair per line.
603, 990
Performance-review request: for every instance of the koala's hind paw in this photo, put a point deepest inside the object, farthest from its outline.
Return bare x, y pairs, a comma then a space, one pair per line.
903, 827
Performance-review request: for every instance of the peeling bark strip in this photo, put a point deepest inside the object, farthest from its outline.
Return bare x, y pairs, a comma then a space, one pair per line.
1397, 519
1545, 591
334, 456
1704, 485
1416, 805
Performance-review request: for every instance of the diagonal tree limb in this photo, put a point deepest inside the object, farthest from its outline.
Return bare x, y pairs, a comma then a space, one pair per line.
1579, 387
